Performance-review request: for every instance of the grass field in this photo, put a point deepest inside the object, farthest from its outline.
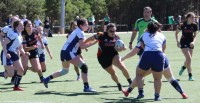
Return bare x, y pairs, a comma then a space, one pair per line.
67, 90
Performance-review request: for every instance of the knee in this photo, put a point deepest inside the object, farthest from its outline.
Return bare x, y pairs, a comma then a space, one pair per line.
84, 68
64, 71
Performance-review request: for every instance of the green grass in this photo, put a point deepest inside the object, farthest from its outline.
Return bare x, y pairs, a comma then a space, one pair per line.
66, 89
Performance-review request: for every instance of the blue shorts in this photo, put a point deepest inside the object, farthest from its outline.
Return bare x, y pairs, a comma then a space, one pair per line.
66, 56
42, 57
166, 65
153, 60
6, 61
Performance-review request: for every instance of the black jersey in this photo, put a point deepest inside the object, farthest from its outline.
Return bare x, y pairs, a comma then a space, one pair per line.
106, 44
187, 31
30, 40
46, 24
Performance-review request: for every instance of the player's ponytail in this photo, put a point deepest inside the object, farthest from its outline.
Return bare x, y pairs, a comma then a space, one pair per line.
16, 24
152, 28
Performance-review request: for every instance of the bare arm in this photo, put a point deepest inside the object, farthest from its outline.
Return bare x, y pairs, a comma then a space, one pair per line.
177, 39
134, 33
131, 54
50, 55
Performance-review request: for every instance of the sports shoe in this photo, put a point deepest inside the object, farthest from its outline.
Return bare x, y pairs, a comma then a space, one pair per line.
88, 89
45, 82
126, 93
78, 77
191, 79
181, 71
184, 95
157, 99
17, 89
140, 96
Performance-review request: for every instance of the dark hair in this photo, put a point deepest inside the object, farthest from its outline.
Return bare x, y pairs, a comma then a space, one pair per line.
15, 24
71, 24
147, 8
81, 21
189, 15
152, 28
110, 25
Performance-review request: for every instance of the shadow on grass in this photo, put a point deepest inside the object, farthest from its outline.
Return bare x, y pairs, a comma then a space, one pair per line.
34, 82
126, 100
67, 93
107, 86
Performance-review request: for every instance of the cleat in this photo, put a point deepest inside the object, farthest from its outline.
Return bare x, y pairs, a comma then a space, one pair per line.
88, 89
140, 96
126, 93
181, 71
78, 78
45, 82
191, 79
184, 95
17, 89
157, 99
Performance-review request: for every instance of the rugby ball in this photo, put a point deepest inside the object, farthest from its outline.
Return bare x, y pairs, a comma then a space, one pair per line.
119, 44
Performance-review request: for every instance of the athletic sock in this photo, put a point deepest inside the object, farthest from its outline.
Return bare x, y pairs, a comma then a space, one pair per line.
129, 89
183, 67
140, 91
119, 86
177, 86
2, 74
17, 80
41, 78
129, 81
49, 78
86, 85
13, 78
190, 74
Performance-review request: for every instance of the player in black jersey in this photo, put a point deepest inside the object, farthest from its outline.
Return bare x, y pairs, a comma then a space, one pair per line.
186, 43
30, 38
107, 55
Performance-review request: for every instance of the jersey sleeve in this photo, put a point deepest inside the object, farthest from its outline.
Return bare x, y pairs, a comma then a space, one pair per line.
5, 29
195, 27
98, 35
11, 35
81, 35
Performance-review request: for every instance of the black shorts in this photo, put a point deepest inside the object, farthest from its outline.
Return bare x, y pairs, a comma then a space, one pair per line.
106, 23
33, 54
79, 51
106, 60
140, 52
185, 44
90, 23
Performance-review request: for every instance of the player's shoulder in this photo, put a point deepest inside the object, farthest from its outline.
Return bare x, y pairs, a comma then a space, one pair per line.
139, 20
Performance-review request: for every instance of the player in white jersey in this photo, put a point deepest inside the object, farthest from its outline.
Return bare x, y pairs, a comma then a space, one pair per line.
12, 45
69, 55
154, 43
41, 50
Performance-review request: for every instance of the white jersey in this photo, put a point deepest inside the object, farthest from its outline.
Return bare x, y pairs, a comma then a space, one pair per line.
45, 42
72, 43
15, 41
153, 43
37, 22
7, 29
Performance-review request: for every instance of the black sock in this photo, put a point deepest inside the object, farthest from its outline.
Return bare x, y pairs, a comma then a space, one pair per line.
119, 86
183, 67
129, 81
190, 74
13, 78
50, 77
130, 89
141, 91
78, 74
86, 85
2, 74
177, 86
41, 78
157, 95
17, 80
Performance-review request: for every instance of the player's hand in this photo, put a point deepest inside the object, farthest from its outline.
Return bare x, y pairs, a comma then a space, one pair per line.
192, 45
8, 56
27, 53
